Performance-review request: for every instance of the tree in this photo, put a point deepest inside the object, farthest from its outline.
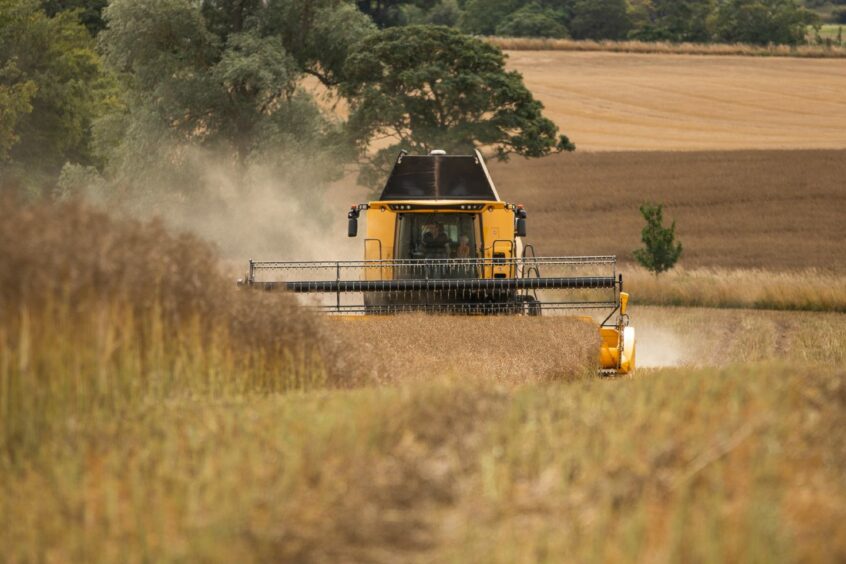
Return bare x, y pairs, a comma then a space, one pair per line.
52, 88
15, 96
763, 21
224, 76
431, 87
600, 19
531, 20
661, 251
483, 16
446, 12
671, 20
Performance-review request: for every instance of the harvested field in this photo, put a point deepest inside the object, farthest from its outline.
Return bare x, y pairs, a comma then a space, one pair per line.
771, 210
614, 102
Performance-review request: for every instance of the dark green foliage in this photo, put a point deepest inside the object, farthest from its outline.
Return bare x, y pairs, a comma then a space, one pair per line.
386, 13
89, 12
16, 92
671, 20
532, 20
661, 251
600, 19
431, 87
483, 16
762, 22
446, 12
51, 89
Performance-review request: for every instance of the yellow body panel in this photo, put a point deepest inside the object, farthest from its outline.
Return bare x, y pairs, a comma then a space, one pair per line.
497, 222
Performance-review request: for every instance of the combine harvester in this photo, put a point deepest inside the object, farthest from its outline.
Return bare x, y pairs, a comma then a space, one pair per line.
440, 240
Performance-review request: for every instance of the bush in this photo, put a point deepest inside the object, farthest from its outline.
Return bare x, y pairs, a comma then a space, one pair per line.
532, 21
660, 251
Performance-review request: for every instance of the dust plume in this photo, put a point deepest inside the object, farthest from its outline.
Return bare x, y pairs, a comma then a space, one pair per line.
265, 217
289, 208
658, 347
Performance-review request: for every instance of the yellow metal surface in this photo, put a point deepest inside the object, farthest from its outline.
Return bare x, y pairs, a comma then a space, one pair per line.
497, 222
617, 349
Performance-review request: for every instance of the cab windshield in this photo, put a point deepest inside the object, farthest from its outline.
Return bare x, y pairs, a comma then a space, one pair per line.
433, 237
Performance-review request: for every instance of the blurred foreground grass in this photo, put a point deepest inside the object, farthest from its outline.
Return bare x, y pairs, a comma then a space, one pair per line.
684, 465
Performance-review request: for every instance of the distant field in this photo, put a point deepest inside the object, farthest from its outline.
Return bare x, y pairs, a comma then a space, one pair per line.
624, 101
776, 210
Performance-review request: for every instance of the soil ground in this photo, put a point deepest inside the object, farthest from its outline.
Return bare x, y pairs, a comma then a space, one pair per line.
777, 210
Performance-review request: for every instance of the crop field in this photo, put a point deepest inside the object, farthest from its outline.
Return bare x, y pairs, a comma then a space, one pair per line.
623, 101
146, 415
771, 210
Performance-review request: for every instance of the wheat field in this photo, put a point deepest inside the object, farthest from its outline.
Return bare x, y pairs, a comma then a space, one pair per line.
150, 415
624, 101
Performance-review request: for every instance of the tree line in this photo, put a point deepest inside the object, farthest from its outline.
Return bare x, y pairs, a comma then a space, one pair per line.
134, 94
732, 21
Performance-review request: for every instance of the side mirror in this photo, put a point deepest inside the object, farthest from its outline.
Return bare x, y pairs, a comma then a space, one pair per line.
352, 227
521, 226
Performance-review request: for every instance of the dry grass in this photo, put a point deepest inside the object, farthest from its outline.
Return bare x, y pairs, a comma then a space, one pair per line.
667, 48
678, 465
631, 102
806, 290
99, 315
771, 210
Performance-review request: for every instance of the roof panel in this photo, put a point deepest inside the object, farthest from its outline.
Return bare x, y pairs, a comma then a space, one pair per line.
438, 177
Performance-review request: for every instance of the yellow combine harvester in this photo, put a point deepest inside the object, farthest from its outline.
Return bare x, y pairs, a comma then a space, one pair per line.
440, 240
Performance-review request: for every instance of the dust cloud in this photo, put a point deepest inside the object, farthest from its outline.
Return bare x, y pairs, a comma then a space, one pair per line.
259, 213
658, 347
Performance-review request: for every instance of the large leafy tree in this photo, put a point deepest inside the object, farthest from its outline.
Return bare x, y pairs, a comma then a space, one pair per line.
51, 90
224, 75
431, 87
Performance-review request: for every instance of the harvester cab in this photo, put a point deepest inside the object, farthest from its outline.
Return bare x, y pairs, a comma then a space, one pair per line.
440, 239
